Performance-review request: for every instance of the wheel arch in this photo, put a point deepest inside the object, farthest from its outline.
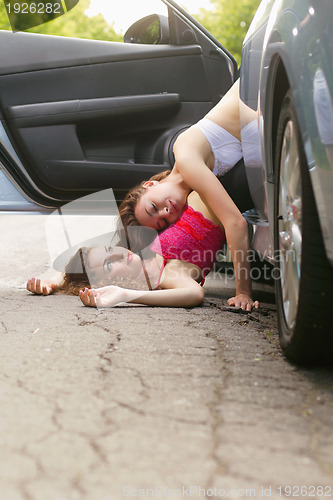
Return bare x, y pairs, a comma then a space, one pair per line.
280, 77
277, 85
273, 91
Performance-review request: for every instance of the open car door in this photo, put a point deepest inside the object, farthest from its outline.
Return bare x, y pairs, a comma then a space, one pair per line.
80, 115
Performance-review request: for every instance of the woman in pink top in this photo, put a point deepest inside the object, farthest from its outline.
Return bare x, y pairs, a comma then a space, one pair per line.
184, 254
199, 160
180, 258
158, 204
176, 264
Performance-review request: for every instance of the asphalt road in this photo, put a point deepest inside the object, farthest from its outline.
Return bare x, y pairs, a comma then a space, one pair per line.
139, 402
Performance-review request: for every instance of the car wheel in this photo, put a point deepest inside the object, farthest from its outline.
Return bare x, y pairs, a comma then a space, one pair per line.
303, 273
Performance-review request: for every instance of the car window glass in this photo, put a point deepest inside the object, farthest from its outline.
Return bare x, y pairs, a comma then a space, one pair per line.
93, 19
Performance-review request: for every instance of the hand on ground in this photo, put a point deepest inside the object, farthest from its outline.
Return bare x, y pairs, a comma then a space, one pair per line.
107, 296
41, 287
244, 302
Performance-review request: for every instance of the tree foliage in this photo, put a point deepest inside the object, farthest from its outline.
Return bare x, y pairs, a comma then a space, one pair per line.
229, 21
74, 23
4, 22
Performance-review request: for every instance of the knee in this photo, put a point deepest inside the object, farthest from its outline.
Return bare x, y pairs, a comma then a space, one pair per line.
197, 296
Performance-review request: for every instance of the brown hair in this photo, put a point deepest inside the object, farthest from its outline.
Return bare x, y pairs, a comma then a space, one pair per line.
127, 215
76, 277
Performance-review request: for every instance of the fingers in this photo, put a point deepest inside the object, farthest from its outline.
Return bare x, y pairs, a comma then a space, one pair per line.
84, 296
89, 297
29, 284
238, 303
35, 285
243, 302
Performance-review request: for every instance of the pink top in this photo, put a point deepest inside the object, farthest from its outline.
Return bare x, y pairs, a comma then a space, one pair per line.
193, 238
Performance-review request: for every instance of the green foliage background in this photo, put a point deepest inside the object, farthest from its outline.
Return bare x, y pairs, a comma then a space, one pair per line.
4, 23
74, 23
227, 20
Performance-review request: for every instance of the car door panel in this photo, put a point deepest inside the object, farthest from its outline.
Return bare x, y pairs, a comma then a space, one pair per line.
74, 111
86, 115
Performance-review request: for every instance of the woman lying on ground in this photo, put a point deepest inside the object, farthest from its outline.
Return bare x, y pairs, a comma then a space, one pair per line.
180, 258
205, 154
199, 156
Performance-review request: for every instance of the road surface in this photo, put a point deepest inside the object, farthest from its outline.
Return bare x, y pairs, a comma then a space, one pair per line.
139, 402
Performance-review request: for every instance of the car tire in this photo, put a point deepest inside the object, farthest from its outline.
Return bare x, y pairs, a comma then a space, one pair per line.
304, 276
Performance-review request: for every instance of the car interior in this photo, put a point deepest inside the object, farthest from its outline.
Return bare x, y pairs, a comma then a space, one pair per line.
86, 115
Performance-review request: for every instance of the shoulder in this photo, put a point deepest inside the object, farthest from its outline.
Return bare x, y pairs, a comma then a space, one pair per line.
192, 144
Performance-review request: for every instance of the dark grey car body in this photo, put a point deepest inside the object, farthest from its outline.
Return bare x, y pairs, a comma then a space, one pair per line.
287, 83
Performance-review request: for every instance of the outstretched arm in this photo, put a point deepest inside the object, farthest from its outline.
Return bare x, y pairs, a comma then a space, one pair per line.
178, 290
110, 296
191, 163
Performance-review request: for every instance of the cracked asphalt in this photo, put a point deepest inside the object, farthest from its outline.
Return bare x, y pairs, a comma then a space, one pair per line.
151, 402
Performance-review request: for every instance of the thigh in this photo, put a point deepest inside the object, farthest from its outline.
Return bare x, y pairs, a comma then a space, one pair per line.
236, 185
